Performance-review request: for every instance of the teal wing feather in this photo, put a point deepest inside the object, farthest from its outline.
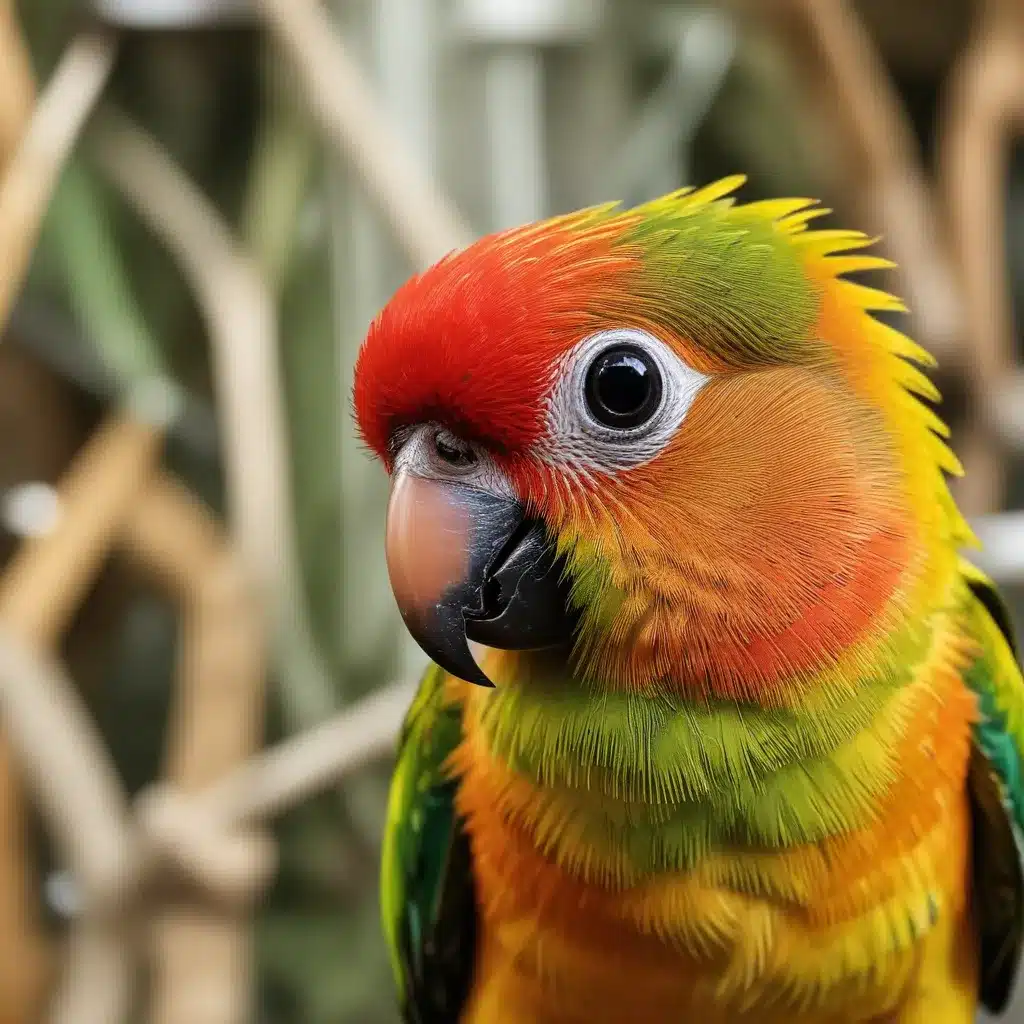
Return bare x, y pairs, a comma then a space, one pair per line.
996, 787
427, 893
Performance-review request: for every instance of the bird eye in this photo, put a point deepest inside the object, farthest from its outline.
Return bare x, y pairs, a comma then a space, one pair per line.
623, 387
453, 450
617, 399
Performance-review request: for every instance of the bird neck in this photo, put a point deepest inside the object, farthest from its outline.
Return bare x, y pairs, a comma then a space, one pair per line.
621, 786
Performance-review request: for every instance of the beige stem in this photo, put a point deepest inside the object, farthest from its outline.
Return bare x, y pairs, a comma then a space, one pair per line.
17, 84
984, 109
201, 953
39, 593
32, 173
425, 223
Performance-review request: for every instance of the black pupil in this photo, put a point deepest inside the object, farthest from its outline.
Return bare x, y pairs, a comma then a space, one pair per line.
623, 387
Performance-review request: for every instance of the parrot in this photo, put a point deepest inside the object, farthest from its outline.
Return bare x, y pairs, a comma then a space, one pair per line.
720, 722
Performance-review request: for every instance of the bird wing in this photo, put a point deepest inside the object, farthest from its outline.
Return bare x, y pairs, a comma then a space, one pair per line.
427, 891
996, 789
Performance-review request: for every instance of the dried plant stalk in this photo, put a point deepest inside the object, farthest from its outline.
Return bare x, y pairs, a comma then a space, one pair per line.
31, 175
424, 221
64, 763
39, 592
201, 953
834, 54
24, 953
984, 110
17, 85
242, 320
300, 767
50, 575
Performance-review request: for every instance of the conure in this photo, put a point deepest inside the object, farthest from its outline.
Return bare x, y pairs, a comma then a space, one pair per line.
740, 736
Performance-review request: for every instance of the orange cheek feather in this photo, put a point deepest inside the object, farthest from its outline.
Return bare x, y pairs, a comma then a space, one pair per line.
760, 544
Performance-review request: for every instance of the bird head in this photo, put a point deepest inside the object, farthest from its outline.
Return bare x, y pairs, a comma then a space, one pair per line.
671, 441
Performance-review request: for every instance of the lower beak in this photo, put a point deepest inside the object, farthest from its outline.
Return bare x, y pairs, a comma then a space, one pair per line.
469, 565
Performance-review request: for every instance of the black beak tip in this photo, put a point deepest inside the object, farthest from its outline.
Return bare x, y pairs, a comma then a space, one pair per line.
446, 645
464, 667
478, 678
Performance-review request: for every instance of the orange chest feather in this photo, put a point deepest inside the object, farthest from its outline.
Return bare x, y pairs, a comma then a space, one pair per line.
845, 945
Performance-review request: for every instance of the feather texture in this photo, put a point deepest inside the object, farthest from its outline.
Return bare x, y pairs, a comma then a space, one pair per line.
751, 793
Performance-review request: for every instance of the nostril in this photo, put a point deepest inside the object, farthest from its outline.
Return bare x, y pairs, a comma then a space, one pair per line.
453, 450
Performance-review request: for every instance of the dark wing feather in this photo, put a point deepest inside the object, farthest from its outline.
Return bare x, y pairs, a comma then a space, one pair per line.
427, 893
996, 789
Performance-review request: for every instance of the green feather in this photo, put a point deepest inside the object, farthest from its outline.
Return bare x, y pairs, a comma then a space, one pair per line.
427, 898
728, 279
996, 788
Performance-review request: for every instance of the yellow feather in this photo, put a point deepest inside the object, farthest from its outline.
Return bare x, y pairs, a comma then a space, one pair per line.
795, 223
851, 264
716, 190
914, 380
828, 242
871, 298
776, 209
899, 344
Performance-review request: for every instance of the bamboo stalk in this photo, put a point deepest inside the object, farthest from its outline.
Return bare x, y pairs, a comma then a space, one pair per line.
31, 175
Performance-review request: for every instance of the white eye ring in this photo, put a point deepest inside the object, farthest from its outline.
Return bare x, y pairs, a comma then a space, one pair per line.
575, 438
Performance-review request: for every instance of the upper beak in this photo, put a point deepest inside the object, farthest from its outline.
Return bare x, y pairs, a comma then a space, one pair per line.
468, 565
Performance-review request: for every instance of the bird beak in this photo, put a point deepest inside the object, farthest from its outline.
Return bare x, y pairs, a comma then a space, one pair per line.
469, 565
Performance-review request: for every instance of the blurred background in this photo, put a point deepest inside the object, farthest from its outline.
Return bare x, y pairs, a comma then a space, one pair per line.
203, 203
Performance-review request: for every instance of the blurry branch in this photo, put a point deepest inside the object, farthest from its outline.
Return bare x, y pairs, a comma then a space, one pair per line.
49, 576
984, 111
201, 955
197, 823
76, 786
36, 591
45, 333
838, 61
202, 951
674, 111
67, 767
216, 726
196, 826
241, 316
40, 591
281, 166
32, 172
424, 221
113, 860
17, 85
300, 767
97, 280
208, 834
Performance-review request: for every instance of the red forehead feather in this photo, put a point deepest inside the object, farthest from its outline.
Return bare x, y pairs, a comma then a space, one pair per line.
472, 342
